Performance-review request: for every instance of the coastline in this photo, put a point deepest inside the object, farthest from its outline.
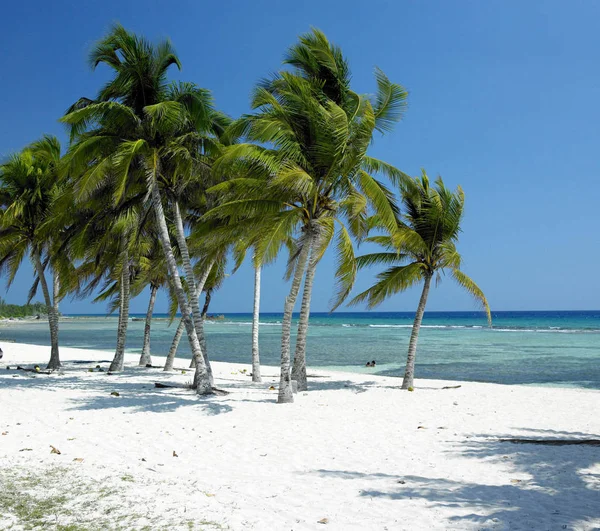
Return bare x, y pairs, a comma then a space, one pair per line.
355, 450
547, 349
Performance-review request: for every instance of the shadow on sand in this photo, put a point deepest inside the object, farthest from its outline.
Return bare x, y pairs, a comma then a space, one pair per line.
561, 492
135, 386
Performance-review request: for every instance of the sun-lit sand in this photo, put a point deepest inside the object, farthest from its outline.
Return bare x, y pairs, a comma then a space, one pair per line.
355, 452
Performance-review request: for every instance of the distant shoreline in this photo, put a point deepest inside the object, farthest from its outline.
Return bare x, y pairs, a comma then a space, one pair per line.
326, 313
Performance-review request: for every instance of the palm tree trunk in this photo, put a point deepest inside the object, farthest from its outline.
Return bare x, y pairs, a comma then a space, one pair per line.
54, 355
200, 324
189, 277
299, 369
174, 345
178, 333
54, 362
118, 360
409, 373
146, 358
285, 388
207, 299
55, 291
256, 377
202, 380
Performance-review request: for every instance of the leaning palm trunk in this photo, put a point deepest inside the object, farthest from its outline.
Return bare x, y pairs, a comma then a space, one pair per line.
285, 387
54, 356
54, 362
189, 277
256, 377
179, 332
174, 345
146, 358
207, 300
118, 360
409, 373
202, 380
200, 324
299, 370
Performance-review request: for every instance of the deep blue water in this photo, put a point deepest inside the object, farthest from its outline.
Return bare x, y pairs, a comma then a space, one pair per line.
542, 348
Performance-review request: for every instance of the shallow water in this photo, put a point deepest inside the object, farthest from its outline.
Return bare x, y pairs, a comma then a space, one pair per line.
541, 348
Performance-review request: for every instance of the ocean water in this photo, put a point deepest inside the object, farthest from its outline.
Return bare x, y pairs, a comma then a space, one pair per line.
560, 348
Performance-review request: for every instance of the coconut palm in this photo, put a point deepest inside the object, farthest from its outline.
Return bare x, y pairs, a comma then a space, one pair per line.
109, 248
139, 129
30, 186
153, 274
308, 169
422, 245
181, 326
256, 375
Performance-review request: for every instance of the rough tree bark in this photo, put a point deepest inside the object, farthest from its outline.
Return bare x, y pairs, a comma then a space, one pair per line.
191, 281
118, 361
207, 299
54, 362
409, 373
285, 385
256, 377
200, 324
299, 369
179, 332
146, 358
202, 380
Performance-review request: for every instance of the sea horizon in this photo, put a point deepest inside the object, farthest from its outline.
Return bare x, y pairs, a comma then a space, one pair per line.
546, 347
427, 312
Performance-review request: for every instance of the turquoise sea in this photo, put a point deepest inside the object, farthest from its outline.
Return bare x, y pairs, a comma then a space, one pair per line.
541, 348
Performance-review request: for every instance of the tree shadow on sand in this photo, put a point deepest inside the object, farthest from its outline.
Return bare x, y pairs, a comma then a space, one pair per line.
554, 487
356, 387
137, 395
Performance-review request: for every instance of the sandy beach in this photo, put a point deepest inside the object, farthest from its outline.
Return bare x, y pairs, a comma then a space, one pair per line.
355, 452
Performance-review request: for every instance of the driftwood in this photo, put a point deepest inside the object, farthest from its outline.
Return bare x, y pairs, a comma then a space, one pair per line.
555, 442
277, 375
215, 390
39, 371
187, 369
166, 386
452, 387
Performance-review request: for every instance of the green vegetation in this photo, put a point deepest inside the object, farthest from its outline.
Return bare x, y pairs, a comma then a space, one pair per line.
25, 310
45, 500
157, 189
418, 248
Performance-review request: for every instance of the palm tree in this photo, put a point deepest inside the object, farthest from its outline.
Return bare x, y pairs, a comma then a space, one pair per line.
30, 186
139, 129
308, 169
422, 245
109, 248
153, 273
256, 376
181, 326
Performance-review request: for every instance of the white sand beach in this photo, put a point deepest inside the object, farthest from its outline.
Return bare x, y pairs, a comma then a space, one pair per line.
355, 452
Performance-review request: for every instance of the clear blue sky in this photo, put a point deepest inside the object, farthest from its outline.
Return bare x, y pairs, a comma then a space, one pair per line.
504, 100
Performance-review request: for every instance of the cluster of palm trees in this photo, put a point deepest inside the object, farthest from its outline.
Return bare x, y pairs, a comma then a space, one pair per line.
159, 189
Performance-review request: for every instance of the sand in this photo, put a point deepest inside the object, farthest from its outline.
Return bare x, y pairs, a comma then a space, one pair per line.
355, 452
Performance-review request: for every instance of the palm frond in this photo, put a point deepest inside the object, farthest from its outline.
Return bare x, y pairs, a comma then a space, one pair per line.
390, 102
469, 285
389, 282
